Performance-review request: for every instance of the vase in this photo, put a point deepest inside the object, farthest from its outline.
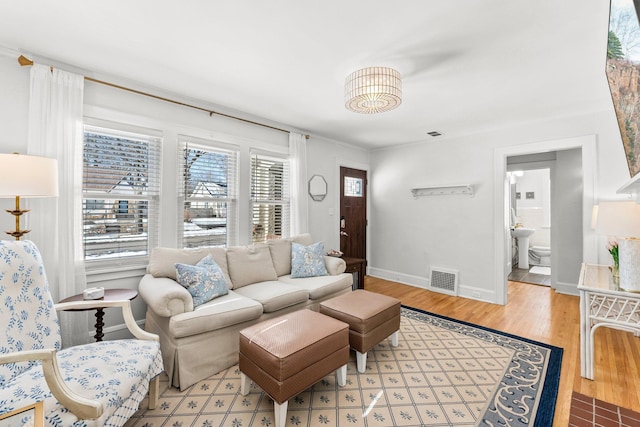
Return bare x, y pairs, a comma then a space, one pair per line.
615, 274
629, 263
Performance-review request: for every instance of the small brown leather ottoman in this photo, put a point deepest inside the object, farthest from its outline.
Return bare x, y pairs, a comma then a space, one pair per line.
371, 317
288, 354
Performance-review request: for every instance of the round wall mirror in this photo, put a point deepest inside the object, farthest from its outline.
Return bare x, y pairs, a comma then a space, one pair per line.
317, 187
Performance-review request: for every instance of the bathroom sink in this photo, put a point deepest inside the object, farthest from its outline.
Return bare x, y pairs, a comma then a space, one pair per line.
522, 232
522, 235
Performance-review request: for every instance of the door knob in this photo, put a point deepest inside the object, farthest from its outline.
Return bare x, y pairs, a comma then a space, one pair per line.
344, 233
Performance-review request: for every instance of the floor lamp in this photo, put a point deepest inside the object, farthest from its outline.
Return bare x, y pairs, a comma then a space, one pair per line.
26, 176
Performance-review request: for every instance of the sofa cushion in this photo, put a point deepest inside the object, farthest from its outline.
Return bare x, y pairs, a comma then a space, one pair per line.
250, 264
204, 281
281, 255
219, 313
307, 261
321, 286
303, 239
163, 260
274, 295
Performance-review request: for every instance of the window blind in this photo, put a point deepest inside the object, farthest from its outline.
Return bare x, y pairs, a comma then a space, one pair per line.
121, 188
269, 197
208, 195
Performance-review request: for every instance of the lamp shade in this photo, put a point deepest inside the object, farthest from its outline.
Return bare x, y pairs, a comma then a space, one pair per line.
28, 176
619, 219
373, 90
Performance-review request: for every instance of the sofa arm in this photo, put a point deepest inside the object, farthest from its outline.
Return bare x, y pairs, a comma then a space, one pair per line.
334, 265
165, 296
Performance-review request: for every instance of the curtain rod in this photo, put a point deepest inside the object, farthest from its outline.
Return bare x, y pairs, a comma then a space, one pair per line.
26, 62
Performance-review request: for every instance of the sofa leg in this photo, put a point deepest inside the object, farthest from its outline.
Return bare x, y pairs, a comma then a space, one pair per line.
341, 374
154, 392
245, 384
394, 339
361, 360
280, 410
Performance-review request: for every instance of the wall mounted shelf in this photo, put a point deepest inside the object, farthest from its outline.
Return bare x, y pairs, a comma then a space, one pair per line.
442, 190
631, 187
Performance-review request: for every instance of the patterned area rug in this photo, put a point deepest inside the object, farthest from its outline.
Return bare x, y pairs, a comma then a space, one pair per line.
443, 373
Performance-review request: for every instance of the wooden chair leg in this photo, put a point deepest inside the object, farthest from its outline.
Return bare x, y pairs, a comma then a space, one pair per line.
154, 392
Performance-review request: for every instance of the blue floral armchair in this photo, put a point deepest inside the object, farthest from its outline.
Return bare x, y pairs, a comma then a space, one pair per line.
98, 384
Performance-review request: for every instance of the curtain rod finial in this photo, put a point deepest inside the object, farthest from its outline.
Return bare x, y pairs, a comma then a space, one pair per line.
24, 61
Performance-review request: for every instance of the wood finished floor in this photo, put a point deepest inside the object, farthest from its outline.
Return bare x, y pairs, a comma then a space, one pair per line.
538, 313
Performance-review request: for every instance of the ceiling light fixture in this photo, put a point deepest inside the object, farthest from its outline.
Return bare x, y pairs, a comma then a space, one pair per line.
373, 90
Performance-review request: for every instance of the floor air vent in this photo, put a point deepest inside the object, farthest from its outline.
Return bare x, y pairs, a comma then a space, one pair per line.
444, 281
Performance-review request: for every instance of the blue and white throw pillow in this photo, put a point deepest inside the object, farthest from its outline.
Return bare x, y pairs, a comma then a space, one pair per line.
204, 281
307, 261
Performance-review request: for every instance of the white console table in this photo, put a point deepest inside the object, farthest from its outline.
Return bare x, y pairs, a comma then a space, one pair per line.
603, 303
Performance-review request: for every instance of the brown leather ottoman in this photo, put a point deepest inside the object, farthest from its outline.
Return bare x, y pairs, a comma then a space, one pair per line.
371, 317
288, 354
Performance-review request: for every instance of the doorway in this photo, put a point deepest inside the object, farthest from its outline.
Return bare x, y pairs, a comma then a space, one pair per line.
353, 213
567, 225
530, 219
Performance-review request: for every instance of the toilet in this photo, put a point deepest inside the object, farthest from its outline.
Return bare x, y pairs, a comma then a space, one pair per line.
540, 255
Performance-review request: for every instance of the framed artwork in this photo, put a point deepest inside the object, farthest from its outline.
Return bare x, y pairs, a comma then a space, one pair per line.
623, 62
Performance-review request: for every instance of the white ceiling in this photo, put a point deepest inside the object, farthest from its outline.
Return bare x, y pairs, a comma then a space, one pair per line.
467, 65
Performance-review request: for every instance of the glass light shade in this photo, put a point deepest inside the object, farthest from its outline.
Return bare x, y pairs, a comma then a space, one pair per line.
373, 90
28, 176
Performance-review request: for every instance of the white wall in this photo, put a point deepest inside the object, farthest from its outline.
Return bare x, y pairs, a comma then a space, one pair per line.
535, 213
324, 157
410, 235
532, 181
14, 108
111, 104
567, 237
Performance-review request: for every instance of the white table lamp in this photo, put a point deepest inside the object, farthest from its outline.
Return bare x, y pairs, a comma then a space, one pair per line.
26, 176
621, 220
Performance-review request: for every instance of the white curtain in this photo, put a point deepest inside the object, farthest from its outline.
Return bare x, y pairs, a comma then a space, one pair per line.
55, 131
299, 198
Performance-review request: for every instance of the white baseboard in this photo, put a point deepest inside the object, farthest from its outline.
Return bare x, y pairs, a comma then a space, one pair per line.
567, 288
464, 291
394, 276
478, 294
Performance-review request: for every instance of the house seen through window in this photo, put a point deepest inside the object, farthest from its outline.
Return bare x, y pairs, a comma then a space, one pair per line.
121, 183
208, 193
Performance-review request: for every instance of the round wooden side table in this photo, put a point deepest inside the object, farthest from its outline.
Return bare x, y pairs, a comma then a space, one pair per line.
109, 295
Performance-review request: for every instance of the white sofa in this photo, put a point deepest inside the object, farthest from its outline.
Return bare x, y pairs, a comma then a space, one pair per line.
197, 343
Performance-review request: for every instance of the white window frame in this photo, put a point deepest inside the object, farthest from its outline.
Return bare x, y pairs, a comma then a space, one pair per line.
259, 235
99, 222
230, 199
